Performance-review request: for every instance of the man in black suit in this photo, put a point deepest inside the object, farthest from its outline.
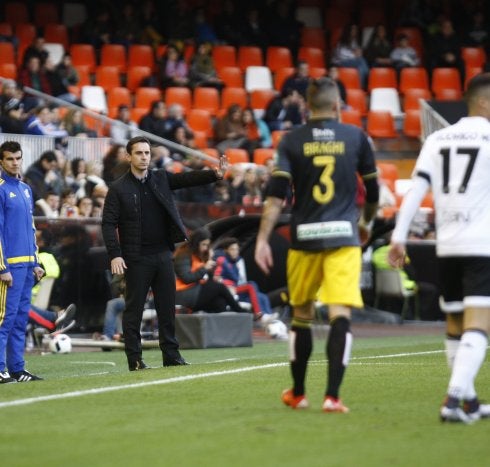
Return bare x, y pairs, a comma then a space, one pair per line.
140, 226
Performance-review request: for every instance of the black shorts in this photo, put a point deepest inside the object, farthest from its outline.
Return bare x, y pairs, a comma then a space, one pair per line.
465, 282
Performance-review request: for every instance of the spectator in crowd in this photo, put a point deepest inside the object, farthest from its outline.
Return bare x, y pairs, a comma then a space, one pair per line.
246, 186
230, 132
258, 133
69, 206
222, 193
202, 71
36, 49
12, 114
284, 112
195, 285
299, 80
283, 28
57, 84
114, 163
179, 24
231, 270
55, 322
34, 76
139, 244
333, 73
348, 52
98, 29
114, 309
48, 206
42, 177
128, 26
175, 119
67, 72
185, 139
252, 30
74, 124
19, 264
203, 29
378, 48
228, 24
40, 122
85, 206
123, 128
403, 55
173, 70
446, 48
160, 158
154, 121
477, 34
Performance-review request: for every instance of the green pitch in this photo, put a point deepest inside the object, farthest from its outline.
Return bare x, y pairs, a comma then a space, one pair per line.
224, 410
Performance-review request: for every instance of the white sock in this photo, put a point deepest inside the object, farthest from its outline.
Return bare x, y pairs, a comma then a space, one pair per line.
451, 345
467, 363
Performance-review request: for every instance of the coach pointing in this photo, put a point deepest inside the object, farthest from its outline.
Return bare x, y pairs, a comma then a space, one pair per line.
140, 226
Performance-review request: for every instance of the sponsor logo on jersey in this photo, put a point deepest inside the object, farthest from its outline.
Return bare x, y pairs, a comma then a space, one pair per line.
26, 192
12, 195
323, 134
322, 230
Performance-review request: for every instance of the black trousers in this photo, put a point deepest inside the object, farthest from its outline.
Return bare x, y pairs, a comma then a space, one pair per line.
155, 271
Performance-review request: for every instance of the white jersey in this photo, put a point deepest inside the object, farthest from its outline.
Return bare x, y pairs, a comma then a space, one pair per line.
456, 162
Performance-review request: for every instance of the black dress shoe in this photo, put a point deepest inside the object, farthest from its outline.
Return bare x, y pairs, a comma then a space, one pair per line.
175, 361
138, 365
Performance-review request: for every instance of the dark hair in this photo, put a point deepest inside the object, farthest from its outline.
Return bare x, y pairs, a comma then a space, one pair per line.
75, 165
199, 235
9, 146
227, 242
135, 140
322, 93
476, 85
48, 156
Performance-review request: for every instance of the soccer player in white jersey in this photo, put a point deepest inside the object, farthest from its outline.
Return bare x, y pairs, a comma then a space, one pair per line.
455, 163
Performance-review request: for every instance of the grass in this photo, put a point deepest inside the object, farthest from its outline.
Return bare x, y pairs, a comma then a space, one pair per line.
212, 413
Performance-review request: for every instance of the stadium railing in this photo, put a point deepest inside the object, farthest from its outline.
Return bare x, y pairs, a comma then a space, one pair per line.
431, 120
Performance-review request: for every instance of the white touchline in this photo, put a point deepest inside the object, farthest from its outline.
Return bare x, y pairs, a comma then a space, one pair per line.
177, 379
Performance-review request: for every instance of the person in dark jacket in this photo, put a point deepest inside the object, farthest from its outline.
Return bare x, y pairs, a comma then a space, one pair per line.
140, 226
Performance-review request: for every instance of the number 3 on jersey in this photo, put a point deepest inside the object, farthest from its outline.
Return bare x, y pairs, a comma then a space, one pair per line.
445, 153
325, 189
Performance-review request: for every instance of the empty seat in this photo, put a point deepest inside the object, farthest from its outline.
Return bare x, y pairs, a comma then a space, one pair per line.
94, 98
83, 75
56, 33
118, 96
6, 29
56, 52
83, 54
224, 55
357, 99
317, 72
352, 117
262, 155
260, 98
412, 125
201, 139
137, 114
381, 124
313, 37
45, 13
473, 56
278, 57
258, 77
16, 12
471, 72
206, 99
413, 96
448, 94
178, 95
200, 120
231, 76
350, 77
230, 96
107, 77
25, 32
236, 156
7, 52
386, 99
382, 77
8, 70
136, 75
314, 56
145, 96
410, 78
281, 75
141, 55
276, 136
249, 56
113, 55
445, 78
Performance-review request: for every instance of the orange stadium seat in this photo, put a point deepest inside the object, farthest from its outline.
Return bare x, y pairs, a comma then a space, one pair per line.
223, 55
113, 55
137, 114
448, 94
445, 78
317, 72
371, 15
25, 32
278, 57
141, 55
206, 99
178, 95
381, 124
262, 155
231, 76
249, 56
352, 117
313, 37
230, 96
6, 29
83, 54
236, 156
45, 13
471, 72
337, 16
389, 173
314, 56
260, 98
7, 52
411, 78
145, 96
16, 12
412, 97
213, 154
83, 75
276, 136
57, 33
135, 76
382, 77
357, 99
8, 70
473, 56
281, 75
200, 120
350, 77
107, 77
411, 125
118, 96
201, 139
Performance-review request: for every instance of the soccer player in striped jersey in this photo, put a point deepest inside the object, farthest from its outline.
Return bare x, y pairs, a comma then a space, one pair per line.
455, 163
321, 160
